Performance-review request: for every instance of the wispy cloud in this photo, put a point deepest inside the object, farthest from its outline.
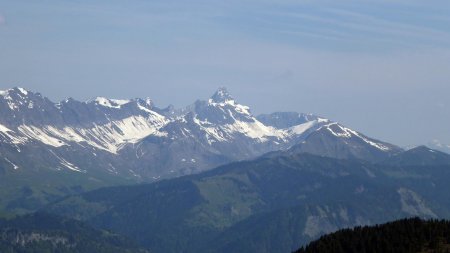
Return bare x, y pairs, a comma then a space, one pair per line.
357, 25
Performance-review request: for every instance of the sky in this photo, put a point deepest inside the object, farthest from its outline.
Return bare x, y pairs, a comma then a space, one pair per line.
380, 67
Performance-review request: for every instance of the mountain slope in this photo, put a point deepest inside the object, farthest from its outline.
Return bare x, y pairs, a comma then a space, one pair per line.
214, 132
42, 232
240, 205
23, 191
286, 119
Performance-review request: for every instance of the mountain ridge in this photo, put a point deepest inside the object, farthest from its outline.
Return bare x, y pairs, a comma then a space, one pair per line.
132, 140
117, 126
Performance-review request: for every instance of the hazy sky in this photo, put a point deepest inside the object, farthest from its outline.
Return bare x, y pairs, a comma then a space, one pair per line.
380, 67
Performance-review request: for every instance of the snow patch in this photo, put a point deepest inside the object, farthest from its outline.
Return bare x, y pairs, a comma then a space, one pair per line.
71, 166
109, 137
302, 128
36, 133
14, 165
344, 132
111, 103
23, 91
4, 129
212, 133
229, 102
134, 173
67, 164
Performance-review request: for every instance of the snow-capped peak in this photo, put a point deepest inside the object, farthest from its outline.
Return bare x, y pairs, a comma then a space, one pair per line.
23, 91
148, 102
145, 104
19, 98
221, 96
16, 90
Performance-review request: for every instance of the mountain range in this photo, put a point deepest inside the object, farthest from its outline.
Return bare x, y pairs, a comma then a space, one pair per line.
210, 177
154, 142
103, 142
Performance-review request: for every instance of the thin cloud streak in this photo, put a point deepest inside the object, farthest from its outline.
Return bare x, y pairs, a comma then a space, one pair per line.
416, 30
353, 26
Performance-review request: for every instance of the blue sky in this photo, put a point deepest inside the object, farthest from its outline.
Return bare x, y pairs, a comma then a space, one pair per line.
381, 67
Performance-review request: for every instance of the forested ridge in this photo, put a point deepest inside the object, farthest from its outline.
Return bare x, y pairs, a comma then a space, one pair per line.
406, 235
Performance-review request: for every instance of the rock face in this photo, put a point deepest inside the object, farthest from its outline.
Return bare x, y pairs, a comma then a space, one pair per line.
134, 139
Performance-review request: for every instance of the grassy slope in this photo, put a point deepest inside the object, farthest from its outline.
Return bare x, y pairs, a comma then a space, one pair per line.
24, 191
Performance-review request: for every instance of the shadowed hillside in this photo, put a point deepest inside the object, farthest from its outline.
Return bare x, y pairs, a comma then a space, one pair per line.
46, 233
407, 235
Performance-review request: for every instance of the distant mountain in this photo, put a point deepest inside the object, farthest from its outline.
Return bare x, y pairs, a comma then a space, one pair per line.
337, 141
419, 156
41, 233
271, 204
438, 145
286, 119
407, 235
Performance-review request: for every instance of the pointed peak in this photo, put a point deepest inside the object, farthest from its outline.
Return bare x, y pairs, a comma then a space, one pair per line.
420, 148
149, 102
221, 95
21, 90
144, 104
15, 90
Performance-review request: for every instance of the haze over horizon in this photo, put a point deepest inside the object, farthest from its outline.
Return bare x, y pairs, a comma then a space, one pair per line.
380, 67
